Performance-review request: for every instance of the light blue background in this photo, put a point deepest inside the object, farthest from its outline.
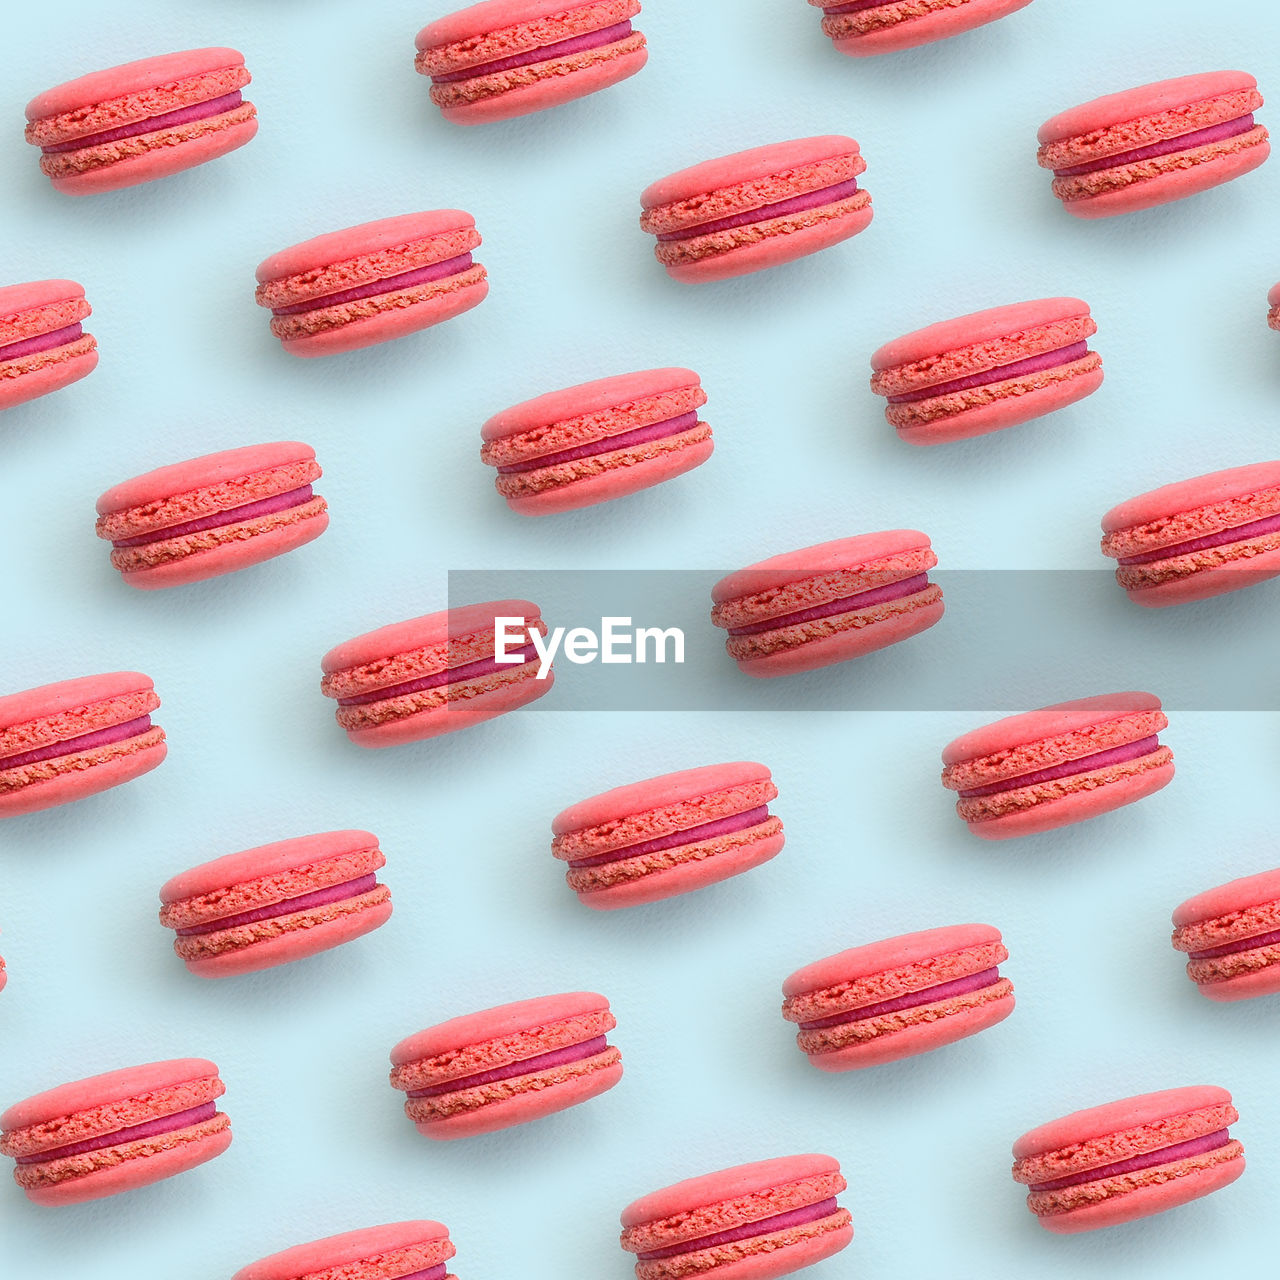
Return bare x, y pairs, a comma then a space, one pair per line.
964, 219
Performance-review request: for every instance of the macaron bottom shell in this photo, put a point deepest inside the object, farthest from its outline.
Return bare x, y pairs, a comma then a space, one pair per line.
23, 387
777, 1256
1206, 584
917, 22
85, 778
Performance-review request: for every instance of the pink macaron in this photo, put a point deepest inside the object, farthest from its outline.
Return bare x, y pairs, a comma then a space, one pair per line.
43, 345
506, 1066
987, 371
276, 903
1050, 768
670, 835
1273, 306
757, 208
115, 1132
900, 997
1198, 538
507, 58
1151, 145
436, 674
141, 121
829, 603
862, 27
63, 741
225, 511
411, 1250
4, 974
1231, 935
1129, 1159
368, 284
597, 441
753, 1222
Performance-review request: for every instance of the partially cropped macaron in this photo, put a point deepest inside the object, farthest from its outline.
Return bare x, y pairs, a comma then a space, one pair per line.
1197, 538
64, 741
1273, 306
829, 603
4, 974
409, 1250
1231, 935
1154, 144
987, 371
506, 1066
116, 1132
1050, 768
757, 208
900, 997
597, 441
862, 27
437, 674
670, 835
43, 345
507, 58
752, 1222
144, 120
225, 511
1129, 1159
276, 903
381, 280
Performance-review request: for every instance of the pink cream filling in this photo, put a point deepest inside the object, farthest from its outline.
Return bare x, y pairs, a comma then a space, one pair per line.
761, 1227
451, 675
856, 6
912, 1000
389, 284
135, 1133
795, 204
543, 1062
691, 835
1099, 760
304, 902
1166, 1155
849, 604
250, 511
1200, 138
1019, 369
1241, 944
654, 431
170, 120
41, 342
85, 742
431, 1273
1241, 533
561, 49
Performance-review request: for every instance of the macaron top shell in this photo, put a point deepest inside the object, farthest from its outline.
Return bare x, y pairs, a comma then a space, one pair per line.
656, 793
368, 237
198, 473
326, 1256
826, 557
266, 860
67, 695
745, 166
425, 632
1049, 722
586, 398
729, 1184
493, 1024
1225, 899
111, 1086
490, 15
892, 953
970, 330
1273, 296
1146, 100
15, 298
1187, 495
132, 77
1114, 1117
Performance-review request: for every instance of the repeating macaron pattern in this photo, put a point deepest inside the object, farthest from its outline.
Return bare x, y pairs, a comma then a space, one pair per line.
758, 1220
505, 58
1129, 1159
116, 1132
373, 1253
145, 120
652, 840
43, 345
506, 1066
